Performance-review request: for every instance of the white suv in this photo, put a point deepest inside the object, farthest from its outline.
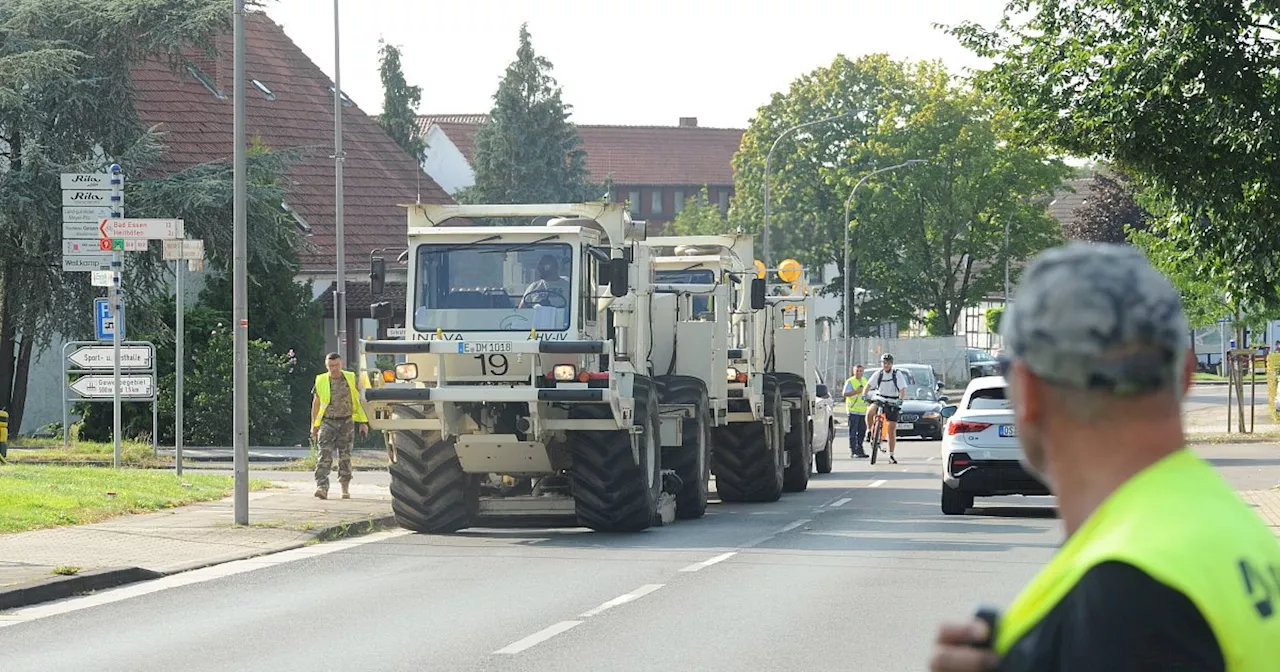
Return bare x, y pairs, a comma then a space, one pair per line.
823, 426
980, 449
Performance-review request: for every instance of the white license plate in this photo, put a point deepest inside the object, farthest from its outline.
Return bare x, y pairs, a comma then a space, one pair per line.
906, 425
1008, 430
483, 347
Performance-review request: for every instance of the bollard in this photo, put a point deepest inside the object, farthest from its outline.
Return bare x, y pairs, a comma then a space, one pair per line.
4, 434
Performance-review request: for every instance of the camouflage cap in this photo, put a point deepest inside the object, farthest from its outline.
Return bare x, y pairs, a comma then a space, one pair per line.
1098, 317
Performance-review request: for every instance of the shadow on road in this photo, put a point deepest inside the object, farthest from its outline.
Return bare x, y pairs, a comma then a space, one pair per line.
1244, 461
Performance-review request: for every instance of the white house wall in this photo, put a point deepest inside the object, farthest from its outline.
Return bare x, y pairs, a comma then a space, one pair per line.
446, 164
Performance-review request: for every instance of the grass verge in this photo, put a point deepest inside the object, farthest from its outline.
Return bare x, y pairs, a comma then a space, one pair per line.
85, 453
1208, 378
41, 496
1214, 438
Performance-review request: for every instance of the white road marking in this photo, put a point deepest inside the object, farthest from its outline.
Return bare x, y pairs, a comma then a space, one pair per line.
904, 470
707, 563
932, 458
623, 599
538, 637
876, 484
841, 502
760, 540
187, 578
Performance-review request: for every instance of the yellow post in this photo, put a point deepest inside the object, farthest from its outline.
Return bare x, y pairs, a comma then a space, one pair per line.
4, 434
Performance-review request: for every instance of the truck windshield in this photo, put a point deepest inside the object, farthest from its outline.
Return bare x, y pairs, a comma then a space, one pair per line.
696, 276
514, 286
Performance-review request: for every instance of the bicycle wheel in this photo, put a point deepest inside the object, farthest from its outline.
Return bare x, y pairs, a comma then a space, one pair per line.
875, 438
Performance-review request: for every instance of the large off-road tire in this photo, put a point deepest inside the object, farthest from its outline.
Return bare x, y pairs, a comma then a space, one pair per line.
611, 492
824, 459
747, 459
799, 441
430, 492
692, 460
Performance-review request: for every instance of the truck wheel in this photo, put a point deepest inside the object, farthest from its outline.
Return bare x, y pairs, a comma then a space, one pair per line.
612, 493
799, 441
824, 459
747, 461
430, 492
691, 460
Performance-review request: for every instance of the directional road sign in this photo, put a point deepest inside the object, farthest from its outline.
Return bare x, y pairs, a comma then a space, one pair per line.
104, 386
99, 181
93, 214
86, 263
81, 230
106, 324
146, 229
103, 357
183, 249
74, 246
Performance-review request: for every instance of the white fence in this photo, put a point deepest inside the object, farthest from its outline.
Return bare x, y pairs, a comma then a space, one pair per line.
946, 354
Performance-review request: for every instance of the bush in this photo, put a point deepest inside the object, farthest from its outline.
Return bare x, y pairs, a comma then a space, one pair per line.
993, 317
211, 385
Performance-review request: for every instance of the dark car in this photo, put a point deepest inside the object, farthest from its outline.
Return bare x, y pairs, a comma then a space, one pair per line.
982, 364
922, 411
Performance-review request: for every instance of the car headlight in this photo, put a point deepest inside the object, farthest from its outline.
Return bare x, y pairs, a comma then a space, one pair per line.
931, 416
731, 374
564, 373
407, 371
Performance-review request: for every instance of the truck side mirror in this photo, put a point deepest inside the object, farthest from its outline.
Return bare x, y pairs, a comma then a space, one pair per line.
381, 310
377, 275
757, 294
619, 282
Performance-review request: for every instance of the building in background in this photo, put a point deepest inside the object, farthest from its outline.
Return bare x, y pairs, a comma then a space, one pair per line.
655, 168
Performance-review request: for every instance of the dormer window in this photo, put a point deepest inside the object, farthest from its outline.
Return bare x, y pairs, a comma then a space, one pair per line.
207, 81
346, 102
263, 88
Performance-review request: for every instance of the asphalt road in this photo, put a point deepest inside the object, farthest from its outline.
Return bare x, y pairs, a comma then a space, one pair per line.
853, 574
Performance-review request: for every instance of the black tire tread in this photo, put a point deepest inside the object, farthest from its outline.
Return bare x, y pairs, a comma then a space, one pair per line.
954, 502
744, 460
823, 461
691, 501
430, 493
610, 491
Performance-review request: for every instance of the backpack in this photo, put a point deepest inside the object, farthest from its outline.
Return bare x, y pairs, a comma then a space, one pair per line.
893, 378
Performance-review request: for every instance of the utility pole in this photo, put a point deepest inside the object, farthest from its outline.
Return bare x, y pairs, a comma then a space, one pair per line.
340, 294
240, 438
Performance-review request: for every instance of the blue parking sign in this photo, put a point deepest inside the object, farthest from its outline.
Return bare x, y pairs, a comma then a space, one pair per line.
105, 323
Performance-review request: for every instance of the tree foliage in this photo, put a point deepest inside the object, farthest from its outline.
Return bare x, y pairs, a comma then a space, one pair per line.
699, 217
1111, 209
927, 238
529, 151
1179, 93
400, 102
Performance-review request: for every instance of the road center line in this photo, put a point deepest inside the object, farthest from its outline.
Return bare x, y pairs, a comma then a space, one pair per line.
623, 599
841, 502
760, 540
538, 637
707, 563
876, 484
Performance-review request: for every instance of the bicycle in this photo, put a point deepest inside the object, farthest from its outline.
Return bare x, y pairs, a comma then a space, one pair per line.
879, 430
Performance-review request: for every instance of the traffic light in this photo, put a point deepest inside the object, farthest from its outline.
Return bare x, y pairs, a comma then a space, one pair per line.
377, 275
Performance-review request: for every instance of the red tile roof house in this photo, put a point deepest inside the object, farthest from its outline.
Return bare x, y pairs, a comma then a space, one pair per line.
289, 104
656, 168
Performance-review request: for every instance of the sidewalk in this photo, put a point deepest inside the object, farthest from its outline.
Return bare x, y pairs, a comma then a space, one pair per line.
1267, 504
139, 547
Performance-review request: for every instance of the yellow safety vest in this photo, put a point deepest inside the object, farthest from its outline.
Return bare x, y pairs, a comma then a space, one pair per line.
322, 392
856, 404
1180, 523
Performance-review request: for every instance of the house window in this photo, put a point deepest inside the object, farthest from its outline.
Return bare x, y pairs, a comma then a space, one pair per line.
263, 88
724, 201
655, 201
679, 200
634, 198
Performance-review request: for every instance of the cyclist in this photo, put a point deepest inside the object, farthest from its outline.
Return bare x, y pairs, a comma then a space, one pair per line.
887, 383
1163, 566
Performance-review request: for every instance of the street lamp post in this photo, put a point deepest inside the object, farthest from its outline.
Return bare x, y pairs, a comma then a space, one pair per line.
852, 303
239, 235
340, 289
768, 161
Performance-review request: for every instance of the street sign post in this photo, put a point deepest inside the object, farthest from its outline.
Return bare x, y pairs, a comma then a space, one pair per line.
147, 229
88, 372
191, 252
79, 181
104, 386
87, 199
87, 263
105, 321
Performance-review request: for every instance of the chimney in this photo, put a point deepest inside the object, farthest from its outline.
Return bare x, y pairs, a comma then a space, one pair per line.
688, 122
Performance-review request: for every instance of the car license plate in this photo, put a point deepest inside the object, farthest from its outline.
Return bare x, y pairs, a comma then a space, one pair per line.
483, 347
1008, 430
906, 425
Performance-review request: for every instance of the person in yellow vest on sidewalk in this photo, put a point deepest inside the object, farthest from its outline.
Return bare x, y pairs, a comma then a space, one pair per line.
857, 407
1164, 567
335, 409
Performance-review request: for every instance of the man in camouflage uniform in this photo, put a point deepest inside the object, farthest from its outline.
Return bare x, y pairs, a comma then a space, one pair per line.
335, 408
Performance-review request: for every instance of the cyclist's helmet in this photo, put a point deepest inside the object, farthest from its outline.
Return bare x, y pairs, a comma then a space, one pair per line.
886, 357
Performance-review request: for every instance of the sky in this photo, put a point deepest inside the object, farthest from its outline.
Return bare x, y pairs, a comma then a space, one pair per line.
636, 63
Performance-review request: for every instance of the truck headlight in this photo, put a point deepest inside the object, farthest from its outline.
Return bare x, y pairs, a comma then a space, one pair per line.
564, 373
408, 371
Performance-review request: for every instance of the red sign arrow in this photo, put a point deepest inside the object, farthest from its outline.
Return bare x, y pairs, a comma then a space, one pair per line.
102, 228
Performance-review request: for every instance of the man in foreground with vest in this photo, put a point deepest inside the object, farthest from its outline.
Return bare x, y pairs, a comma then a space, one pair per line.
857, 407
335, 408
1164, 567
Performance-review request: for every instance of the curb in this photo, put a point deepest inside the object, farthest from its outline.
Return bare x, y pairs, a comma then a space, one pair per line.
62, 587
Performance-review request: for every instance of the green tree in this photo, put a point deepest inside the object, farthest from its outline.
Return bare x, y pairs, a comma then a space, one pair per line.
66, 104
699, 218
1178, 93
929, 238
1109, 212
529, 151
400, 101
